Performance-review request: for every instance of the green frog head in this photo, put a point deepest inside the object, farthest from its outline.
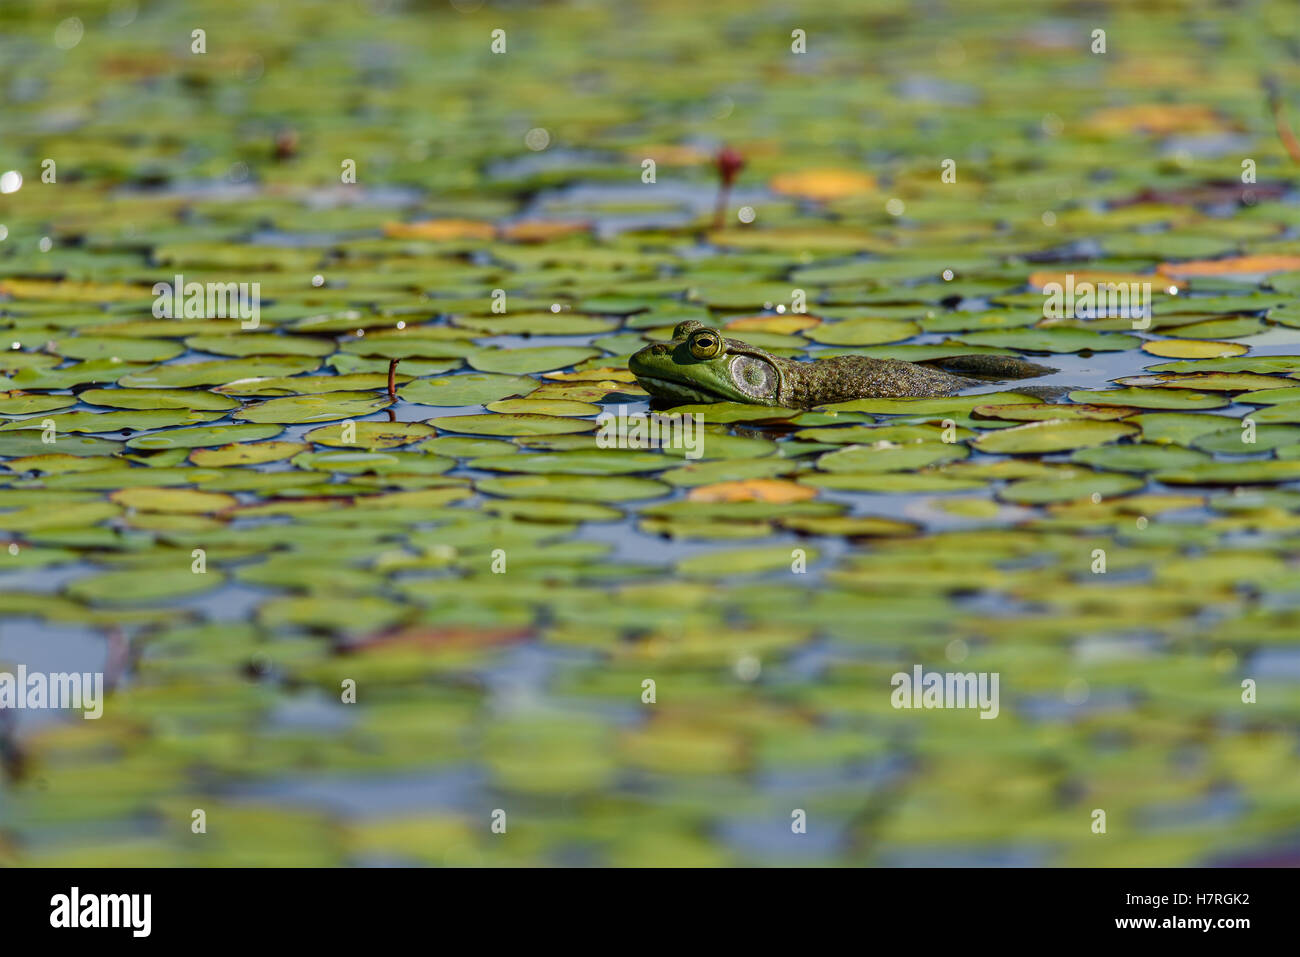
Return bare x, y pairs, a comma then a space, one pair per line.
701, 365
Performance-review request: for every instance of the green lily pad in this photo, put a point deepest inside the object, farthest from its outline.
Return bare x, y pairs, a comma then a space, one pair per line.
862, 332
512, 424
135, 420
576, 488
1208, 381
745, 561
260, 344
575, 462
31, 442
246, 453
124, 349
177, 500
140, 586
1234, 328
938, 407
1138, 458
544, 407
1150, 398
370, 435
1052, 339
309, 384
158, 399
1069, 487
1178, 428
314, 408
535, 359
474, 388
891, 458
1037, 412
1232, 440
24, 403
1054, 435
217, 372
1264, 471
208, 436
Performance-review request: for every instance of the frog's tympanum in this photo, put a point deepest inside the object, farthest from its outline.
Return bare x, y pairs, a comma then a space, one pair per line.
701, 365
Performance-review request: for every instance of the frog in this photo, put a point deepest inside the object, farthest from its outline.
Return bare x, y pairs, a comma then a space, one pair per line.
701, 365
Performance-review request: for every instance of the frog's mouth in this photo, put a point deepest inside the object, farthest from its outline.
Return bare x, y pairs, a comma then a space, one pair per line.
662, 388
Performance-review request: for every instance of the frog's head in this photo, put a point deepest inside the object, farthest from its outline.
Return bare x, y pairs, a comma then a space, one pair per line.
701, 365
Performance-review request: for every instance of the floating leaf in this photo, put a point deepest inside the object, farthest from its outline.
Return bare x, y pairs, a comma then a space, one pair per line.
474, 388
187, 501
135, 421
862, 332
890, 458
1164, 398
573, 487
824, 184
209, 436
1032, 412
512, 424
217, 372
314, 408
158, 399
1138, 458
752, 490
1193, 349
370, 435
247, 453
143, 585
544, 406
538, 359
24, 403
1053, 435
1233, 266
1052, 339
1209, 381
1264, 471
1069, 486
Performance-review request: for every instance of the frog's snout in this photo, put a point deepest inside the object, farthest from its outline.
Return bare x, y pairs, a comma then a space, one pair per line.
652, 351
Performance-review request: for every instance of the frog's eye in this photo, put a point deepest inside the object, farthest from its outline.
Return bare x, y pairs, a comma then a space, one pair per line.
705, 344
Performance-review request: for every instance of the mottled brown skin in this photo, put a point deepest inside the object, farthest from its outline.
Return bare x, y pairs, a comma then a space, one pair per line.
701, 365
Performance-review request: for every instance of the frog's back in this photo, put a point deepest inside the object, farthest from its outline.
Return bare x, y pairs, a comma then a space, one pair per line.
843, 378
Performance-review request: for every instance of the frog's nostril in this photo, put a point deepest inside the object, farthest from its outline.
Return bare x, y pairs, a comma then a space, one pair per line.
659, 349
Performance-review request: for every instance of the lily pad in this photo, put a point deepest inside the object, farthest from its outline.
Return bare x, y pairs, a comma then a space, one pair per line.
1054, 435
512, 424
475, 388
1163, 398
370, 435
536, 359
314, 408
208, 436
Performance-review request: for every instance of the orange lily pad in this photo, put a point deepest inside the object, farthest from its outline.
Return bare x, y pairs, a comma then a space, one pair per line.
823, 184
440, 229
775, 491
1158, 118
1237, 266
781, 324
1039, 280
